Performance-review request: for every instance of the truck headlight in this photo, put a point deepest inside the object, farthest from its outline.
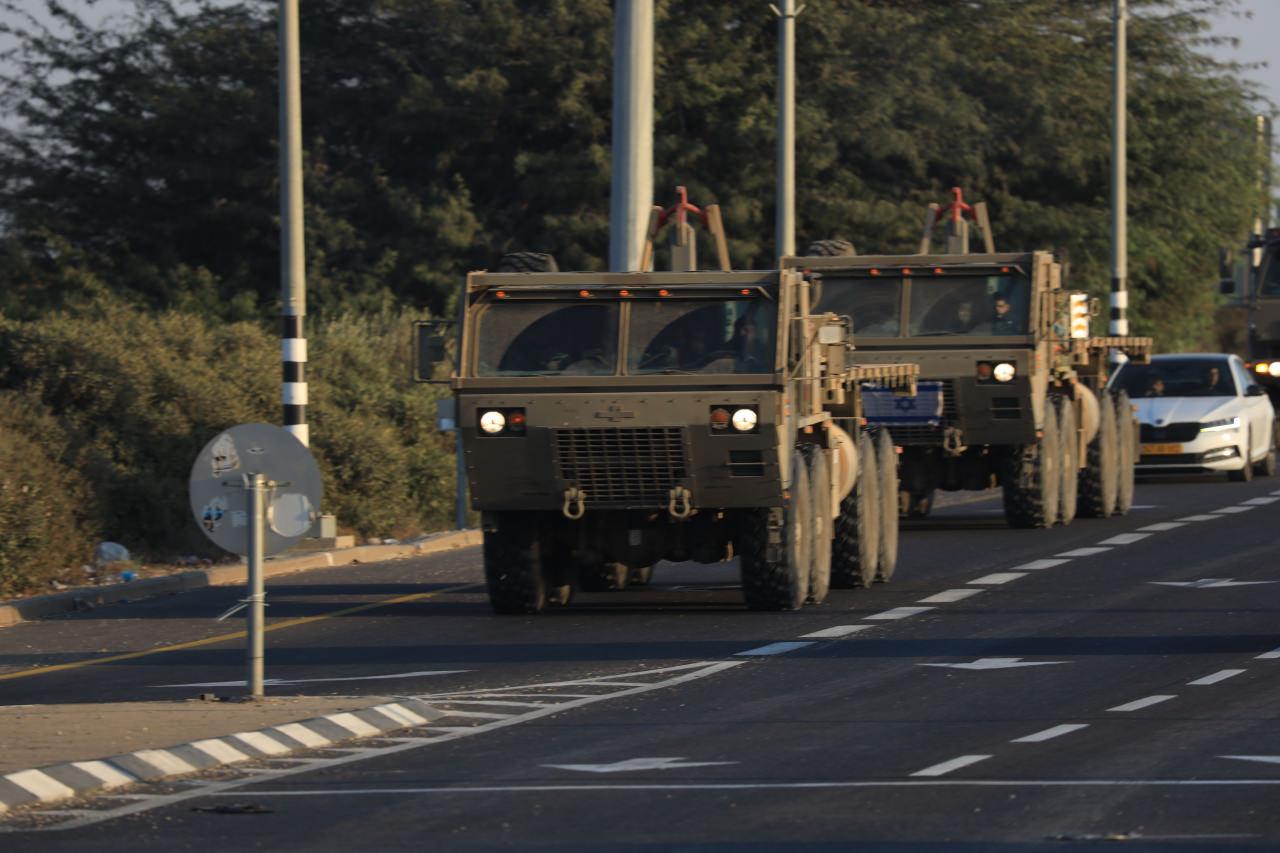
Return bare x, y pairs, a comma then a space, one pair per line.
1003, 372
744, 420
1219, 425
493, 422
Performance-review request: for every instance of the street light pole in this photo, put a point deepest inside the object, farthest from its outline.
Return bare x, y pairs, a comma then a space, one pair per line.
293, 285
785, 234
632, 181
1119, 181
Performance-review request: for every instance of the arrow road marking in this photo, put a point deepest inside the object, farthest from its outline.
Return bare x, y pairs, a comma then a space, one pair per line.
995, 663
1262, 759
1208, 583
638, 764
313, 680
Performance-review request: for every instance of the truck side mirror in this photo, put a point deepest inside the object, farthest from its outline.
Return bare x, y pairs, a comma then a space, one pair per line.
1227, 286
428, 348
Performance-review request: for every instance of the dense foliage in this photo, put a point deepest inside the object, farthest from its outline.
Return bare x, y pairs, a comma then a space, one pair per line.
138, 188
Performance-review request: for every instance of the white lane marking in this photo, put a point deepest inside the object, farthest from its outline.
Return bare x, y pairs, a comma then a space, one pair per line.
277, 681
1049, 734
1036, 565
1144, 506
995, 663
899, 613
1084, 552
1199, 518
1208, 583
302, 734
263, 743
1163, 526
1125, 539
1259, 501
164, 761
1274, 654
773, 649
109, 775
40, 784
835, 632
1220, 675
954, 764
220, 750
998, 578
951, 595
396, 711
1231, 510
1277, 492
353, 724
1264, 759
1147, 702
499, 702
632, 764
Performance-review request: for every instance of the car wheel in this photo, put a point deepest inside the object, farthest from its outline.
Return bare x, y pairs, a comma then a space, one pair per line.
1245, 472
1266, 466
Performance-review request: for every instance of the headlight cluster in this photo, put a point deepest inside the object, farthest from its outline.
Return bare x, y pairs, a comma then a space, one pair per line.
1000, 371
741, 419
1267, 368
501, 421
1220, 425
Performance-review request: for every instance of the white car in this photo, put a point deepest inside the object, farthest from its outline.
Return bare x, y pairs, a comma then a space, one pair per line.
1199, 413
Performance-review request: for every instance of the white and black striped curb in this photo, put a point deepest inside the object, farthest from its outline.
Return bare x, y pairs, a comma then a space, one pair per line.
40, 606
79, 778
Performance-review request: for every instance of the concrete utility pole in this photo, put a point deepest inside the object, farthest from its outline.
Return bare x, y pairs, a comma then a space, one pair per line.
293, 283
1119, 185
785, 236
632, 190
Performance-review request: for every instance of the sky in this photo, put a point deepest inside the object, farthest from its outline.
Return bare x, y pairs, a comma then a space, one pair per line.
1258, 36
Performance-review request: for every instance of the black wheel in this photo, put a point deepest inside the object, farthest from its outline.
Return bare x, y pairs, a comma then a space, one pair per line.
1266, 467
1126, 434
887, 469
778, 578
855, 551
527, 262
1245, 474
640, 576
605, 577
830, 249
1100, 477
1070, 444
1031, 487
513, 567
820, 556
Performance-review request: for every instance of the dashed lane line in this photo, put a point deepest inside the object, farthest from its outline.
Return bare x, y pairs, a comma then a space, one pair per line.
1145, 702
1084, 552
1125, 539
773, 649
1259, 501
1051, 733
899, 613
835, 632
1274, 654
1199, 518
1220, 675
1037, 565
949, 596
946, 767
1231, 510
998, 578
1162, 526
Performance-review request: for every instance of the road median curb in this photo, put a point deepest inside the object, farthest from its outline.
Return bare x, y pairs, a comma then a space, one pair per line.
88, 598
57, 782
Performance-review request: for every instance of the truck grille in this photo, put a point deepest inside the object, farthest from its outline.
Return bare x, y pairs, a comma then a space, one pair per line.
1171, 432
622, 465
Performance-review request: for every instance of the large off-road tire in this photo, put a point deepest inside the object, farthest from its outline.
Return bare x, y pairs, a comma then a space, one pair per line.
830, 249
1127, 441
1245, 473
513, 566
1031, 487
887, 469
855, 551
820, 547
779, 581
528, 262
1100, 477
604, 577
1266, 466
1070, 444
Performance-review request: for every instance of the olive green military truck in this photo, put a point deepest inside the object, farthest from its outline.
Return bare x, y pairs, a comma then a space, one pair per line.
612, 420
1011, 391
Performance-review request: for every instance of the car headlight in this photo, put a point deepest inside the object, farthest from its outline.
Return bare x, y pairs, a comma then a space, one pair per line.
493, 422
744, 420
1003, 372
1220, 425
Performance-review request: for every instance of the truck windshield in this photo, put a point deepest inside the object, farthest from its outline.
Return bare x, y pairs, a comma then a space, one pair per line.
874, 304
546, 339
985, 305
700, 336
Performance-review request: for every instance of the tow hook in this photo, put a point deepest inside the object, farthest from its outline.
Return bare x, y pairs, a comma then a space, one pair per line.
679, 503
574, 503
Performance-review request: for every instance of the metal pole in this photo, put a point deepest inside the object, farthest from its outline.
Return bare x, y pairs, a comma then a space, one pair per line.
460, 491
257, 486
785, 235
1119, 187
293, 284
632, 191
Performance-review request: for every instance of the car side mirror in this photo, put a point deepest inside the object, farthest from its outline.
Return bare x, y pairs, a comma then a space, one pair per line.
1227, 286
1255, 391
428, 347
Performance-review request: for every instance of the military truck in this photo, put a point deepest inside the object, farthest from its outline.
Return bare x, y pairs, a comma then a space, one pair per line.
612, 420
1012, 387
1252, 281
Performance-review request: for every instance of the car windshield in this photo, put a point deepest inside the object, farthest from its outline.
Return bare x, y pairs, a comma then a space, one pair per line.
1165, 377
977, 305
547, 338
701, 336
873, 303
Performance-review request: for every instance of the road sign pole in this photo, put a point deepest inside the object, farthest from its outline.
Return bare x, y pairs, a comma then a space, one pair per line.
1119, 180
257, 486
785, 226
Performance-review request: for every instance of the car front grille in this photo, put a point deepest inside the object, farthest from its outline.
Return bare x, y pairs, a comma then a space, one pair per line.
1180, 432
623, 466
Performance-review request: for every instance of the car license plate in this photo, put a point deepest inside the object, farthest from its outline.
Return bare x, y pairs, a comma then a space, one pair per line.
1160, 449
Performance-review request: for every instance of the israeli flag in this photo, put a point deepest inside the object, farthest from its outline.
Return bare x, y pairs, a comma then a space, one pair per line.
882, 406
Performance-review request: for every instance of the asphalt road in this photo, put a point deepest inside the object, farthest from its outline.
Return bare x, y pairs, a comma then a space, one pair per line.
1009, 690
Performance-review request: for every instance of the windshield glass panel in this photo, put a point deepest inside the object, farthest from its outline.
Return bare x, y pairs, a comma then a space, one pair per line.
700, 336
873, 303
985, 305
1199, 377
546, 339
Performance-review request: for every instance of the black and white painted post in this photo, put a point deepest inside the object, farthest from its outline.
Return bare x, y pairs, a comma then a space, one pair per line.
1119, 181
293, 349
632, 184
